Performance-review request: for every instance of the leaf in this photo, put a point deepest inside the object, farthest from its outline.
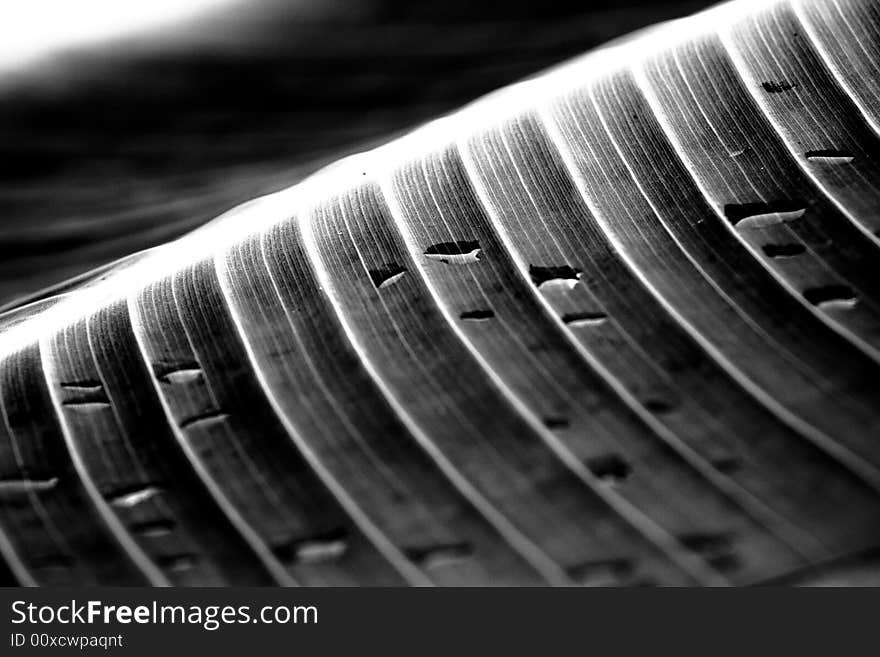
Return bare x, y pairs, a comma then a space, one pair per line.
615, 325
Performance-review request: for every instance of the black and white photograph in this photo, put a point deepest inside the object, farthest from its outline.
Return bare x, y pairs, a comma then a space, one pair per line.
382, 294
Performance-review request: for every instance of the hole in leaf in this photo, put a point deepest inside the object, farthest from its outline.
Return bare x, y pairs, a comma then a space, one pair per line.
761, 215
725, 562
561, 274
208, 417
435, 556
132, 496
783, 250
656, 405
163, 370
176, 562
777, 86
610, 468
455, 253
89, 394
19, 486
584, 318
829, 297
54, 561
716, 548
556, 422
705, 542
605, 572
477, 315
726, 465
829, 156
315, 549
387, 275
180, 376
153, 528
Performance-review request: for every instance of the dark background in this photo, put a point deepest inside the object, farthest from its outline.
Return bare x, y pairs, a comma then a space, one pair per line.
117, 148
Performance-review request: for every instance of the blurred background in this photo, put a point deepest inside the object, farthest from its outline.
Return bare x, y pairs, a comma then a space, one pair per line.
124, 127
